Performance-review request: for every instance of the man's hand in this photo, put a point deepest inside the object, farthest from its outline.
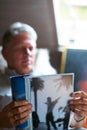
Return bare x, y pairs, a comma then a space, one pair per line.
15, 113
79, 103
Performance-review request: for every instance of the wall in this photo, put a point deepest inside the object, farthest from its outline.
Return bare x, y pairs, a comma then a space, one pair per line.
38, 13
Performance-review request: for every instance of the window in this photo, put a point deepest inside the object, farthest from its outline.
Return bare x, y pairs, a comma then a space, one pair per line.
78, 2
71, 22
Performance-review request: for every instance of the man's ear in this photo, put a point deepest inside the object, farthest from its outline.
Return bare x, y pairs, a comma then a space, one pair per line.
4, 53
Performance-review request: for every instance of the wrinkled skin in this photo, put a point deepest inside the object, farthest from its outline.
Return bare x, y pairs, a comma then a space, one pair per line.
79, 103
14, 114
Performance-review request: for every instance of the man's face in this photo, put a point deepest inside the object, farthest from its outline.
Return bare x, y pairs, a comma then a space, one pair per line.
20, 55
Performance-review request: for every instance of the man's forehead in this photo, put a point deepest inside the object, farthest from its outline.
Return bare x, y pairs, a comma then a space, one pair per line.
20, 40
22, 36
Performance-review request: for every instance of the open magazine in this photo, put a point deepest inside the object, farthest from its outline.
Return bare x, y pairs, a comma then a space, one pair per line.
49, 95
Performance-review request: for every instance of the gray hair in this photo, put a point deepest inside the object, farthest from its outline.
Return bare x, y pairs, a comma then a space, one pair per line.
15, 29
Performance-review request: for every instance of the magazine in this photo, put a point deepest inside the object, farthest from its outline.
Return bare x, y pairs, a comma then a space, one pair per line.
20, 86
49, 95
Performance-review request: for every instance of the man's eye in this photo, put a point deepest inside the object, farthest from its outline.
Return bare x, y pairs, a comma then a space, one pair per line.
31, 48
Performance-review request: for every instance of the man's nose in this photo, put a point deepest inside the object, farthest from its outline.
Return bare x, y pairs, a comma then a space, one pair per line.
28, 51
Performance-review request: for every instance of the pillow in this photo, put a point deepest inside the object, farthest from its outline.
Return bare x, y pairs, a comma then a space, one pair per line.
42, 64
3, 62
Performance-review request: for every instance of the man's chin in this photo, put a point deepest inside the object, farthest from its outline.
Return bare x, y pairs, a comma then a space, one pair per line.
24, 70
27, 71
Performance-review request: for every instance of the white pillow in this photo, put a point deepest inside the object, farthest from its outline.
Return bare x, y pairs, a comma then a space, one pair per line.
42, 65
3, 62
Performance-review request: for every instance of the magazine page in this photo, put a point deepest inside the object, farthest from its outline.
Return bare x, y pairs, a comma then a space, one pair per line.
49, 98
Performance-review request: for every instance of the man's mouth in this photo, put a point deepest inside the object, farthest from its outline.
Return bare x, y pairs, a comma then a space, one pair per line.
27, 62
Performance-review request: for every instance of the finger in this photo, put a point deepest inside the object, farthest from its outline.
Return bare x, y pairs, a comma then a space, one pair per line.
78, 101
19, 103
80, 107
20, 121
79, 94
18, 110
78, 111
21, 115
15, 104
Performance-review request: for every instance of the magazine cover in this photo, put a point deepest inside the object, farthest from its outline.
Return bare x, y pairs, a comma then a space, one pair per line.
49, 95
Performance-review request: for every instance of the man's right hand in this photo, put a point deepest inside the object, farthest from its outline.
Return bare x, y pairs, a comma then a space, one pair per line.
15, 113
